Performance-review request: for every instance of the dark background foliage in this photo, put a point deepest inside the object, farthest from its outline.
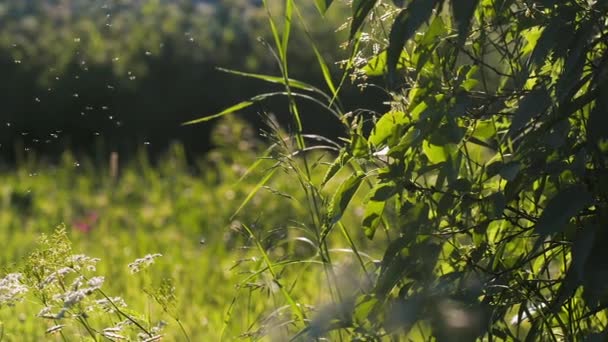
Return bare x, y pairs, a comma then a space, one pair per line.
120, 75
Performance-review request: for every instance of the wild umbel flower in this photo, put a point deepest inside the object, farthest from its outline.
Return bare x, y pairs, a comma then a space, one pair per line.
142, 263
11, 289
78, 293
54, 277
95, 283
110, 304
80, 261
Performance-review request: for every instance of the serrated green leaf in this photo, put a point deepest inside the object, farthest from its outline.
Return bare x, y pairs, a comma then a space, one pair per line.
561, 208
386, 127
547, 40
359, 147
531, 35
404, 143
372, 217
384, 191
342, 159
343, 195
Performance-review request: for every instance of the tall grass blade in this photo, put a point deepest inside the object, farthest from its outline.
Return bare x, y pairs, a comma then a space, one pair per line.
320, 60
294, 306
252, 193
228, 110
272, 79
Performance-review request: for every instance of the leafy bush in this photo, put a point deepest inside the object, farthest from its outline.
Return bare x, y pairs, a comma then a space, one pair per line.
487, 175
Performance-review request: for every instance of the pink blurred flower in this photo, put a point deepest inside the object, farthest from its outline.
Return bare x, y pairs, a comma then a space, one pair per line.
86, 223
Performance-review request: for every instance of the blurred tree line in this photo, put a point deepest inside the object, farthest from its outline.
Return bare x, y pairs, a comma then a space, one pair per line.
116, 75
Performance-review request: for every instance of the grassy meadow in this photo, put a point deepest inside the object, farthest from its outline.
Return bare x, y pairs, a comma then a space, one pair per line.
214, 269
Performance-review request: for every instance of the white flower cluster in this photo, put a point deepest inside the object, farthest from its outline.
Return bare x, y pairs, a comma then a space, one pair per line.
78, 293
142, 263
55, 276
11, 289
110, 304
80, 261
75, 295
77, 263
113, 333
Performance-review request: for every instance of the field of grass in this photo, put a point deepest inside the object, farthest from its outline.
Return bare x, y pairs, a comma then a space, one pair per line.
221, 287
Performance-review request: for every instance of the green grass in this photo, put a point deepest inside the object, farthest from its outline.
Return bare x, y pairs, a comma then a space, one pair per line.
222, 288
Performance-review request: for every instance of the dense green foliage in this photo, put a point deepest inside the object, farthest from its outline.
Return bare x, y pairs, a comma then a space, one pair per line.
475, 209
488, 174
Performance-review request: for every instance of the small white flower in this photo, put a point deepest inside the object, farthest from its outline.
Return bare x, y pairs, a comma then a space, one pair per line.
95, 282
106, 304
72, 298
11, 289
144, 262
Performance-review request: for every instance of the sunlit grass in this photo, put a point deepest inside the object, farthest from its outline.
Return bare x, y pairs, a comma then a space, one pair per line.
221, 286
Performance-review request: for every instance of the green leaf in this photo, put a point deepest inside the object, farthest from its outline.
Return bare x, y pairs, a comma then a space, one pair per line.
438, 154
463, 11
271, 79
372, 217
447, 133
228, 110
510, 170
384, 191
547, 40
376, 66
359, 147
531, 36
387, 126
404, 27
533, 104
364, 306
561, 208
343, 195
336, 166
426, 46
484, 129
361, 9
404, 143
323, 5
